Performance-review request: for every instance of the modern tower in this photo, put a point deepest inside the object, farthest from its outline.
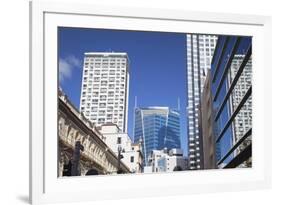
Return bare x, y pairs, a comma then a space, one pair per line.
231, 88
158, 128
105, 88
200, 49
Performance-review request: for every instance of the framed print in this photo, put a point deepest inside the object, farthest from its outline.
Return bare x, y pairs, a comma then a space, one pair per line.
128, 102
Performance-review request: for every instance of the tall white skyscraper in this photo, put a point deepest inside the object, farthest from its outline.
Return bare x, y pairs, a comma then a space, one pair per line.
105, 88
200, 49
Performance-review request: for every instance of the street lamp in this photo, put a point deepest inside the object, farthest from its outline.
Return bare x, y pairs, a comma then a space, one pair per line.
76, 158
120, 156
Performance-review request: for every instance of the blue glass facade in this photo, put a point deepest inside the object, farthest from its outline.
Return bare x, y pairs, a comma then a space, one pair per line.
232, 52
158, 128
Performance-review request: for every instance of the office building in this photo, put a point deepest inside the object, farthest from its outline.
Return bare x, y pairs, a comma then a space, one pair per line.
232, 91
200, 50
105, 88
158, 127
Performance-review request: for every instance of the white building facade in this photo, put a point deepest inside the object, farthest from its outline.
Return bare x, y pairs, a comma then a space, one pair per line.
131, 152
105, 88
168, 161
200, 49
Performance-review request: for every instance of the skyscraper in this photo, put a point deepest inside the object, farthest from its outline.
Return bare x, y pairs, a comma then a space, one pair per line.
207, 137
158, 127
232, 100
105, 88
200, 49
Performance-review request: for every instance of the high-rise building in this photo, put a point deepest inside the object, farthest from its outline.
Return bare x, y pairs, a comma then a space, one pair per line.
158, 127
232, 100
105, 88
200, 49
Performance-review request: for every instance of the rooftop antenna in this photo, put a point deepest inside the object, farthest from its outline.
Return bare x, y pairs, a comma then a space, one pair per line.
134, 118
136, 101
179, 103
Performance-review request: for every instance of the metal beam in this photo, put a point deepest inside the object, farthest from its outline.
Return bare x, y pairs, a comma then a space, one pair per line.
227, 66
220, 58
242, 102
235, 80
240, 158
240, 141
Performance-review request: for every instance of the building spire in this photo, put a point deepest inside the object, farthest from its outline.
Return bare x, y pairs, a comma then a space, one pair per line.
136, 99
179, 104
134, 118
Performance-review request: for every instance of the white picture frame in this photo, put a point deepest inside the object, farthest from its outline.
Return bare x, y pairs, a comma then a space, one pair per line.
46, 187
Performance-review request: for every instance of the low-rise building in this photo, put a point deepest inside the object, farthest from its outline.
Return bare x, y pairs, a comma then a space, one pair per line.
147, 169
120, 142
81, 148
168, 161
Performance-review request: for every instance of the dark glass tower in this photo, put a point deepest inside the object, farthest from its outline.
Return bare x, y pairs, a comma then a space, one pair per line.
232, 100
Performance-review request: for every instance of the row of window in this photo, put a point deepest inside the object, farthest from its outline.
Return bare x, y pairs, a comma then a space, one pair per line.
102, 59
102, 72
104, 78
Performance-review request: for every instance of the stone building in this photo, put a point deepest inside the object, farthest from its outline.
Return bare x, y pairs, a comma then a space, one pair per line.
81, 147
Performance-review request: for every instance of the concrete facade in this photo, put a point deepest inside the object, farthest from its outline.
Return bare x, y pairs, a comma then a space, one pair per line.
105, 88
131, 152
207, 127
168, 161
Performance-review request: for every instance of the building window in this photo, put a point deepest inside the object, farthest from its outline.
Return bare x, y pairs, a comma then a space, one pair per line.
132, 159
119, 140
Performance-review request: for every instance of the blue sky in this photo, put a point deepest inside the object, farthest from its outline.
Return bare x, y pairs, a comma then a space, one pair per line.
157, 66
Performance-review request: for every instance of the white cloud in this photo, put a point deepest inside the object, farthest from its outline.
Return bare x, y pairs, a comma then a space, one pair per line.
66, 67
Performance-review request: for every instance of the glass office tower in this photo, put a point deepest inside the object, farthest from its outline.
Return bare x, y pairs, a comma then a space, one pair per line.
158, 128
232, 100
